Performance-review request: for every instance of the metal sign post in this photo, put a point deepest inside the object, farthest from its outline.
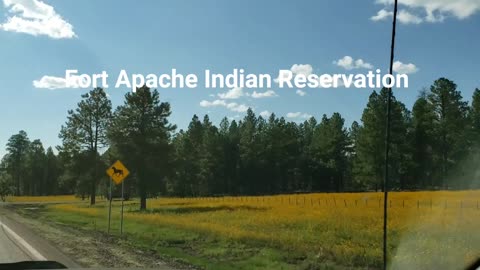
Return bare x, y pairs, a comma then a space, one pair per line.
121, 215
117, 172
110, 206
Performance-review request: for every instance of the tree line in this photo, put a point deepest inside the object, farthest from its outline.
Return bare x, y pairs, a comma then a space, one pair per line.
435, 145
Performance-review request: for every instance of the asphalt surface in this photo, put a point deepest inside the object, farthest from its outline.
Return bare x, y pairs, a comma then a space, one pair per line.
20, 243
10, 251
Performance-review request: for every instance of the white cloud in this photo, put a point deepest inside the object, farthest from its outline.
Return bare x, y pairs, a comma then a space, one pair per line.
296, 69
301, 69
402, 68
235, 107
266, 94
298, 115
406, 17
265, 114
403, 16
34, 17
51, 82
431, 10
348, 63
381, 15
218, 102
233, 93
301, 93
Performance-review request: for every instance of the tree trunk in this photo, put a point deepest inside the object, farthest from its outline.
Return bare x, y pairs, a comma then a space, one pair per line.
143, 202
94, 180
18, 185
92, 194
142, 186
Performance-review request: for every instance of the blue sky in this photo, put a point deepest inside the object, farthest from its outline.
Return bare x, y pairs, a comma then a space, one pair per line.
44, 38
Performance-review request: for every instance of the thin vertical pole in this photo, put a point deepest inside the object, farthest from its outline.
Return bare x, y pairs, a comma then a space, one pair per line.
121, 219
110, 207
387, 141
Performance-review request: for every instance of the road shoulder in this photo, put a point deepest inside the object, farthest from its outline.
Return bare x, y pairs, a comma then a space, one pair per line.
44, 247
76, 248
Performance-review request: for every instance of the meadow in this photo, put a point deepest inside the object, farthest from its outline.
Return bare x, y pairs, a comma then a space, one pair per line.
427, 230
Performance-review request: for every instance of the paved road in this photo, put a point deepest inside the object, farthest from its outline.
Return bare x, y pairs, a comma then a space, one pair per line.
10, 251
27, 245
20, 243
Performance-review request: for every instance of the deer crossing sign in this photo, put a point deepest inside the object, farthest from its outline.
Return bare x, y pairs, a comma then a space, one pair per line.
118, 172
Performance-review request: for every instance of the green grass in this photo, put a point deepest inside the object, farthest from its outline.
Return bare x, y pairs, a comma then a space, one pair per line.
270, 232
189, 247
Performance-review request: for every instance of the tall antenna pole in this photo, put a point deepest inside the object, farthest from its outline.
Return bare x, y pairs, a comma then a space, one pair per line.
387, 141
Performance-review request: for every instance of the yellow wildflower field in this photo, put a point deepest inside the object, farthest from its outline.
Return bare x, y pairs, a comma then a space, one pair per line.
427, 230
33, 199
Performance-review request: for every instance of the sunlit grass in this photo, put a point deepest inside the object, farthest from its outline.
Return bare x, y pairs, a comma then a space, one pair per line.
61, 198
48, 199
427, 230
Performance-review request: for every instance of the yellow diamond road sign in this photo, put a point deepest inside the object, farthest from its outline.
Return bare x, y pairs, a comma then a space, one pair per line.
118, 172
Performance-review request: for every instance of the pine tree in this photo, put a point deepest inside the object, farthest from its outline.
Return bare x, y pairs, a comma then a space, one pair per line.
369, 162
330, 146
423, 142
17, 152
450, 124
36, 164
475, 118
141, 133
51, 172
86, 130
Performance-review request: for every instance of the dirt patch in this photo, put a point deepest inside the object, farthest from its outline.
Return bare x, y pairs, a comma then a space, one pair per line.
94, 249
